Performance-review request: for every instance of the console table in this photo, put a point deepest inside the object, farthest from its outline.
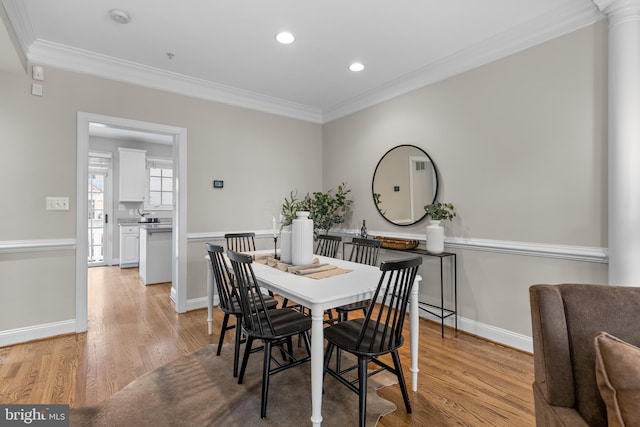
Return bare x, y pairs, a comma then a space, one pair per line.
441, 311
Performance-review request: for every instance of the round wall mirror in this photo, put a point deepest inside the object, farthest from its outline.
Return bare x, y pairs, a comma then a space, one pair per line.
405, 180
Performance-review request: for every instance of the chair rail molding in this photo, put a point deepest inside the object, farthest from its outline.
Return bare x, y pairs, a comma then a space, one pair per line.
37, 245
547, 250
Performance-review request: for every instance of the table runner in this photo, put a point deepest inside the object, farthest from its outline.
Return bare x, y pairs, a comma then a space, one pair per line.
315, 270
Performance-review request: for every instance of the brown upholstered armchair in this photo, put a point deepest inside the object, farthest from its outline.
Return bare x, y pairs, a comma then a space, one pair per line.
565, 320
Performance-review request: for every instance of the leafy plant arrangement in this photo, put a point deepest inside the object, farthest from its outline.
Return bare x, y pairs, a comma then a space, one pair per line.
289, 209
326, 209
441, 211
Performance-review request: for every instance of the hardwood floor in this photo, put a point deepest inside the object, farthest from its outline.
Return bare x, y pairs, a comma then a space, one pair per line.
463, 380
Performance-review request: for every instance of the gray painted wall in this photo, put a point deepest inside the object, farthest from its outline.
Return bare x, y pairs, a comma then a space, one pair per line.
520, 144
521, 149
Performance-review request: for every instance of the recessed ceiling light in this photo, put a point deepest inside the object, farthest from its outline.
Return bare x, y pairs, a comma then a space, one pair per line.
120, 16
356, 66
285, 37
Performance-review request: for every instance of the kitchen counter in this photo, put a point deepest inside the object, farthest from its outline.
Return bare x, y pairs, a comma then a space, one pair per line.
156, 226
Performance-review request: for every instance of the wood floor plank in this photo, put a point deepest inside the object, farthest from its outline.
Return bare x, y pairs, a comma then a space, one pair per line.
133, 329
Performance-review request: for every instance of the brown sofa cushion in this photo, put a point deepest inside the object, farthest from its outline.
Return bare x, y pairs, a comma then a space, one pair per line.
618, 377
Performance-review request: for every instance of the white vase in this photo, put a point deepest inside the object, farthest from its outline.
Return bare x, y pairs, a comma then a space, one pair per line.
435, 237
285, 244
302, 239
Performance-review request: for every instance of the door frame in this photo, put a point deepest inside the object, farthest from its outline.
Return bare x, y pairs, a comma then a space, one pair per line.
179, 239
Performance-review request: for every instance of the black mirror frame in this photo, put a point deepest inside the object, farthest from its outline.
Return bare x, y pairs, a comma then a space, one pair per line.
435, 195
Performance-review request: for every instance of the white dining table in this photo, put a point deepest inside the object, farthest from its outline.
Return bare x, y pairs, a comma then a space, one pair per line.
319, 295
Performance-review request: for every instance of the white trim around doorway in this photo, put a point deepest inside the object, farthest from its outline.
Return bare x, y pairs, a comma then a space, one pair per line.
179, 244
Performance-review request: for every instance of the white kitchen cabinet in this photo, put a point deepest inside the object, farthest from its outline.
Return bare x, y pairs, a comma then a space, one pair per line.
129, 245
133, 175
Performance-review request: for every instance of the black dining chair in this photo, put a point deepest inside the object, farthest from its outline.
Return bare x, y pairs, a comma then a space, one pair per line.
328, 245
376, 334
241, 242
274, 327
363, 251
229, 302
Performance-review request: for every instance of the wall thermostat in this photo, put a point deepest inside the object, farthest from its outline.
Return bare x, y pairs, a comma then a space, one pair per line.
218, 184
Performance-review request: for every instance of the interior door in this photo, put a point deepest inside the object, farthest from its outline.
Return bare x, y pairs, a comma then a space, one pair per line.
98, 209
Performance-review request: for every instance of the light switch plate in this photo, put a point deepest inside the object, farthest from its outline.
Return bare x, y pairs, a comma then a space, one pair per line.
36, 89
57, 203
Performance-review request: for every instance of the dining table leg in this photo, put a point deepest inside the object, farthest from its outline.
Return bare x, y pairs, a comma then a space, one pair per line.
414, 334
317, 363
209, 298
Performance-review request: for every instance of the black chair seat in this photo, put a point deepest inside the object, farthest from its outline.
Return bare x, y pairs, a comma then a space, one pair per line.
235, 309
346, 335
285, 322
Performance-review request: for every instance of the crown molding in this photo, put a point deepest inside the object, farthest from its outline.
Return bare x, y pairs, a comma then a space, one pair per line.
565, 19
544, 28
83, 61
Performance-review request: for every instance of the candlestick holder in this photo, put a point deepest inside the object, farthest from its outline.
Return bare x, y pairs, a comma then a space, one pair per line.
275, 247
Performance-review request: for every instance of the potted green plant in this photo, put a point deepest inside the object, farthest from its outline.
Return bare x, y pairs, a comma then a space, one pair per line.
435, 232
328, 208
440, 211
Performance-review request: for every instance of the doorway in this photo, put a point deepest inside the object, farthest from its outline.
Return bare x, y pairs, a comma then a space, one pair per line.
179, 240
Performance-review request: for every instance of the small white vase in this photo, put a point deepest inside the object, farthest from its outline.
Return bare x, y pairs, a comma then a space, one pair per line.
302, 239
285, 244
435, 237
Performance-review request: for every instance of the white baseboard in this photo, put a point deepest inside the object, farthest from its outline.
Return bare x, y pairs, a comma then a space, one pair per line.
198, 303
47, 330
491, 333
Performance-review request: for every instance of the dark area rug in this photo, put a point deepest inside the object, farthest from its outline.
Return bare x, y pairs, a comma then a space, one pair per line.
199, 390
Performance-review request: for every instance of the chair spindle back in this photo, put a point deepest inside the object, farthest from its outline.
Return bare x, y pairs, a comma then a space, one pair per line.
392, 293
254, 310
328, 245
365, 251
224, 283
241, 242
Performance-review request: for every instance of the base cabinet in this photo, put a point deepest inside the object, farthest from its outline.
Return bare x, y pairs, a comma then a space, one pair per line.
155, 255
129, 246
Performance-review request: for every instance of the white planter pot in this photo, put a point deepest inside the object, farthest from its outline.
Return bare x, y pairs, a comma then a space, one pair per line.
435, 237
285, 244
302, 239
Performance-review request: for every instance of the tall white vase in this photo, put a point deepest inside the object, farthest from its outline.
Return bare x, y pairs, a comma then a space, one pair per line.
285, 244
302, 239
435, 237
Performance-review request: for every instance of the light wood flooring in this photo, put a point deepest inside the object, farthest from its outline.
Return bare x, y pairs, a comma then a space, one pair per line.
463, 380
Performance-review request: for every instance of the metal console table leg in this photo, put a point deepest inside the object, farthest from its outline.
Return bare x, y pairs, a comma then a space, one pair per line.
441, 311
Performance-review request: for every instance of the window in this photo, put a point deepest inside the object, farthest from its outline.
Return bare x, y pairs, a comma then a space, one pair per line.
160, 173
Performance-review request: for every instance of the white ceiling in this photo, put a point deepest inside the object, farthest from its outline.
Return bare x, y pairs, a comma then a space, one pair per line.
225, 50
